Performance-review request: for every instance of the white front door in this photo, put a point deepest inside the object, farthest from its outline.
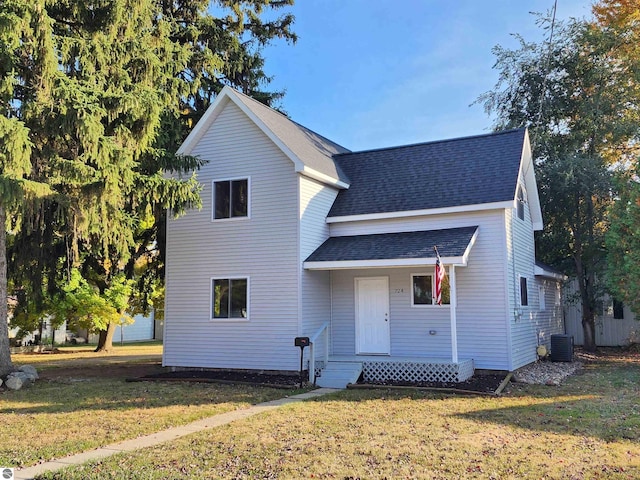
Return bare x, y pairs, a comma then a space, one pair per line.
372, 315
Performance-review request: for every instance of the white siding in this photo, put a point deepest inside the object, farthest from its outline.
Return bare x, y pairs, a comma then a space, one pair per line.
482, 314
610, 332
409, 326
263, 247
525, 328
140, 329
550, 320
315, 202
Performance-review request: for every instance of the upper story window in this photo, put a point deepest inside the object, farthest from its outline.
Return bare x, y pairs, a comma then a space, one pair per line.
230, 198
520, 203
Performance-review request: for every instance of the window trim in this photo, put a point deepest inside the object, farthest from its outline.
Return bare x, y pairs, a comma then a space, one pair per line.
542, 301
526, 291
211, 299
433, 292
213, 199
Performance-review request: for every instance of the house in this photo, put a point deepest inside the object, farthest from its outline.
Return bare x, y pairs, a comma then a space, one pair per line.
299, 236
616, 325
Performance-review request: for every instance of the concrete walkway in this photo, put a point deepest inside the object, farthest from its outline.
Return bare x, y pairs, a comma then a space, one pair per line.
165, 435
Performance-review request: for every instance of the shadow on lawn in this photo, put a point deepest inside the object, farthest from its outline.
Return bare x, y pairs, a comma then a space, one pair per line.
601, 401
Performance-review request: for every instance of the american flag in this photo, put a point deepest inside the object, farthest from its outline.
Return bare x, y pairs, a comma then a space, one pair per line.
440, 274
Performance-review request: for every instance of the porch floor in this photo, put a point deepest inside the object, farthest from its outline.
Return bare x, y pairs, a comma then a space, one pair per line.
380, 368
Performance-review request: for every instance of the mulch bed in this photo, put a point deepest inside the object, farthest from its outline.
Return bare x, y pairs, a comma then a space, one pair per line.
227, 376
477, 383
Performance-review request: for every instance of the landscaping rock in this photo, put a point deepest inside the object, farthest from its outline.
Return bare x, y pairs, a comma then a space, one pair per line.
29, 370
19, 379
546, 373
14, 382
0, 382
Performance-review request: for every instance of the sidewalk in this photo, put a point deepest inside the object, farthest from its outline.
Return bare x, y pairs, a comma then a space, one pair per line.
165, 435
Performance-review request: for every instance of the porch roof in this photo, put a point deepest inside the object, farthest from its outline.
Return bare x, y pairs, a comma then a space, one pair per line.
404, 249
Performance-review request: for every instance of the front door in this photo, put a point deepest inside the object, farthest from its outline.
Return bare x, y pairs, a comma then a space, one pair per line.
372, 315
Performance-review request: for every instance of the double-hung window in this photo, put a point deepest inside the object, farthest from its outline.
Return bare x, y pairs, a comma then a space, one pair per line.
230, 198
229, 298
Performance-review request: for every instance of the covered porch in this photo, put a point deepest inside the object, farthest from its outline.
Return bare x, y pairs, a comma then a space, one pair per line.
384, 318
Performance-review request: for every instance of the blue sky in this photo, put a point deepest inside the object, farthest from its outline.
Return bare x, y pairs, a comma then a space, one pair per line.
379, 73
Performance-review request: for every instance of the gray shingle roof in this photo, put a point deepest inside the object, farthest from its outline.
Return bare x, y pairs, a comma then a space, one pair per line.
448, 173
314, 150
451, 242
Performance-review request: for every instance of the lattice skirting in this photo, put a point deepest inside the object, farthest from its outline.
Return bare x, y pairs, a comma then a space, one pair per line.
320, 364
400, 371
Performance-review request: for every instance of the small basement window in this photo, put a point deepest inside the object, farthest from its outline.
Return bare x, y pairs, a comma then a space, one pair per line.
229, 298
230, 198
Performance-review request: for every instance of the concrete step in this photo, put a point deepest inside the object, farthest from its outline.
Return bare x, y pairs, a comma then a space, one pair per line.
339, 374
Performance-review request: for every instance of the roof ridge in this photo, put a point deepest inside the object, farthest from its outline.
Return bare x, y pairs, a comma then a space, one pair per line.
433, 142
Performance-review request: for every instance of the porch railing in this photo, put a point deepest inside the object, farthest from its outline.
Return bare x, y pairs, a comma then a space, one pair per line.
323, 330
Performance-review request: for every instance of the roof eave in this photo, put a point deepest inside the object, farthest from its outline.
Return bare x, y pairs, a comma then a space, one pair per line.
526, 171
542, 272
321, 177
417, 213
460, 261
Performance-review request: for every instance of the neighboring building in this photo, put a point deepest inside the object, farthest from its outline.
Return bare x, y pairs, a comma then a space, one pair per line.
300, 237
616, 325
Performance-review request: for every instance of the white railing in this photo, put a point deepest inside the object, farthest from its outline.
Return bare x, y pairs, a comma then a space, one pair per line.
324, 329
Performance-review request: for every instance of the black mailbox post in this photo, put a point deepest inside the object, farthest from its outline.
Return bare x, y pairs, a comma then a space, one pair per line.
301, 342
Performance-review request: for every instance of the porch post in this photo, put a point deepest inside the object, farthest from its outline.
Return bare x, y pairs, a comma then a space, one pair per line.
453, 304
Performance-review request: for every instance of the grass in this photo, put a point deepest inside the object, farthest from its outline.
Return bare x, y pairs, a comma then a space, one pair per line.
588, 428
86, 353
87, 407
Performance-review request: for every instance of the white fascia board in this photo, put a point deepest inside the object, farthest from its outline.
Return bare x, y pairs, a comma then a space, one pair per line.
527, 172
386, 263
467, 251
541, 272
322, 178
417, 213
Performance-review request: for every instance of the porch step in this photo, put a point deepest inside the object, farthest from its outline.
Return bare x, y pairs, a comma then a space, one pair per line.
339, 374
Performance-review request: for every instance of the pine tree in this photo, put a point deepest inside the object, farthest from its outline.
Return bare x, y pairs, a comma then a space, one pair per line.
102, 93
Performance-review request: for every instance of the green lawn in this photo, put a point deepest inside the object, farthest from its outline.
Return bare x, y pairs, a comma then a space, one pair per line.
585, 429
83, 402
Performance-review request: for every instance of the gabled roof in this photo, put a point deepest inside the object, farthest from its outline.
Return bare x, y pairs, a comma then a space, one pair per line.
462, 174
311, 153
394, 249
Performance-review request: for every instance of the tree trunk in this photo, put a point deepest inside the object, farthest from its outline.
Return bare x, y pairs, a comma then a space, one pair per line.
105, 341
589, 331
5, 352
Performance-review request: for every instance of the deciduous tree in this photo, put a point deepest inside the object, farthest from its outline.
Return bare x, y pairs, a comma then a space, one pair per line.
574, 94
